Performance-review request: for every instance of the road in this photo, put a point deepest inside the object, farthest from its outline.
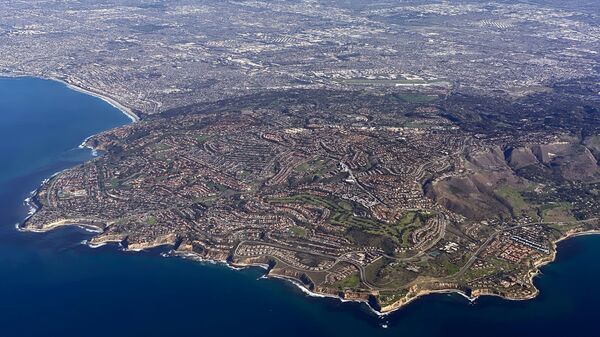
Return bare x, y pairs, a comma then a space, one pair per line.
336, 259
471, 260
361, 269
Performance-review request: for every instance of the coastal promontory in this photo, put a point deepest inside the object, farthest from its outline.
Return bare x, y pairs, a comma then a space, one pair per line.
384, 204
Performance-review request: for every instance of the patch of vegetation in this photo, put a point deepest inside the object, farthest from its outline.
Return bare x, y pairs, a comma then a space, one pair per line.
450, 267
500, 264
389, 82
216, 186
389, 297
115, 182
473, 274
374, 270
298, 231
151, 220
416, 97
201, 139
160, 146
316, 167
207, 201
347, 219
119, 222
342, 211
335, 205
514, 198
557, 212
308, 259
408, 223
362, 229
350, 282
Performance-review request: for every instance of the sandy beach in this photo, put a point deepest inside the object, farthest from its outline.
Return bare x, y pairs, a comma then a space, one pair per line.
125, 110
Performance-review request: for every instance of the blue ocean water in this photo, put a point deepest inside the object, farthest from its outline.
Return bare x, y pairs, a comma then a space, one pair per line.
51, 285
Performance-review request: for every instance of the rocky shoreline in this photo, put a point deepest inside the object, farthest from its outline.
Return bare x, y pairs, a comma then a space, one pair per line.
171, 241
533, 272
98, 227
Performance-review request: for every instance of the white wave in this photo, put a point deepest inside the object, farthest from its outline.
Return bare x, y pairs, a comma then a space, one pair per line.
83, 145
90, 229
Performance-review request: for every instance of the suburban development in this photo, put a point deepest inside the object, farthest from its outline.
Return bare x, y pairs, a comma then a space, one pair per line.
374, 151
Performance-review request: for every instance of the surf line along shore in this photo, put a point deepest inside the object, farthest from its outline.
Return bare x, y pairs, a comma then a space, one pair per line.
125, 110
88, 91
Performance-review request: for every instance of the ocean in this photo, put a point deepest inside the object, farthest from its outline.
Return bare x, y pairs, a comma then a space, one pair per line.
53, 285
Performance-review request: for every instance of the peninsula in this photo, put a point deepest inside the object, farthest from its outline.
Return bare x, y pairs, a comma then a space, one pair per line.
373, 152
375, 198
